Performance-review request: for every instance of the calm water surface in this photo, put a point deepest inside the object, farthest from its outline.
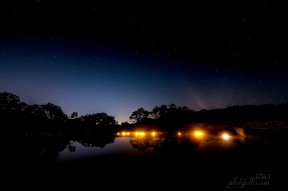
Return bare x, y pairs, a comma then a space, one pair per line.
129, 145
206, 157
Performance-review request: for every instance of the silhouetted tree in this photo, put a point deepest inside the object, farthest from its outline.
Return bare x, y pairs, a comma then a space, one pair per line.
35, 113
11, 111
99, 122
10, 103
159, 112
125, 124
139, 115
74, 115
46, 112
169, 111
54, 112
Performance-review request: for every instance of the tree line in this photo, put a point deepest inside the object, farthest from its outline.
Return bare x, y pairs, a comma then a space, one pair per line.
16, 115
230, 114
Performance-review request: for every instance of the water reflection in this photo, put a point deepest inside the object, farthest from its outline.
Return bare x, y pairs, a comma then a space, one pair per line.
209, 148
209, 135
96, 140
184, 141
144, 144
37, 149
144, 140
34, 150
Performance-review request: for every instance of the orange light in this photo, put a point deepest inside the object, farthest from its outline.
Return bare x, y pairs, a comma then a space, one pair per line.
198, 134
225, 136
179, 133
153, 133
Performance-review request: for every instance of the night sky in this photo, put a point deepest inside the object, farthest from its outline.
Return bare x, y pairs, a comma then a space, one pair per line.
115, 57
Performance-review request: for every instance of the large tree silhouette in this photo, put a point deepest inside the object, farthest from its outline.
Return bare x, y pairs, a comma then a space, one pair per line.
54, 112
95, 123
100, 119
158, 112
10, 103
45, 112
169, 111
139, 115
11, 111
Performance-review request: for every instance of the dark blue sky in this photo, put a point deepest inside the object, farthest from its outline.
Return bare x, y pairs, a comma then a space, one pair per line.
116, 60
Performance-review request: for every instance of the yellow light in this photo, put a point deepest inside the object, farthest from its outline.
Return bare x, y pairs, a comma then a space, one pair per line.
142, 133
123, 133
118, 133
128, 133
179, 133
198, 134
225, 136
136, 133
153, 133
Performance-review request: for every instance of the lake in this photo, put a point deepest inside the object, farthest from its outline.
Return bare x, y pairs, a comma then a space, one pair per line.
202, 156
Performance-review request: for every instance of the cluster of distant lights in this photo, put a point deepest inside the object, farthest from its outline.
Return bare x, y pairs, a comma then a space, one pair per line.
136, 133
198, 134
201, 134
